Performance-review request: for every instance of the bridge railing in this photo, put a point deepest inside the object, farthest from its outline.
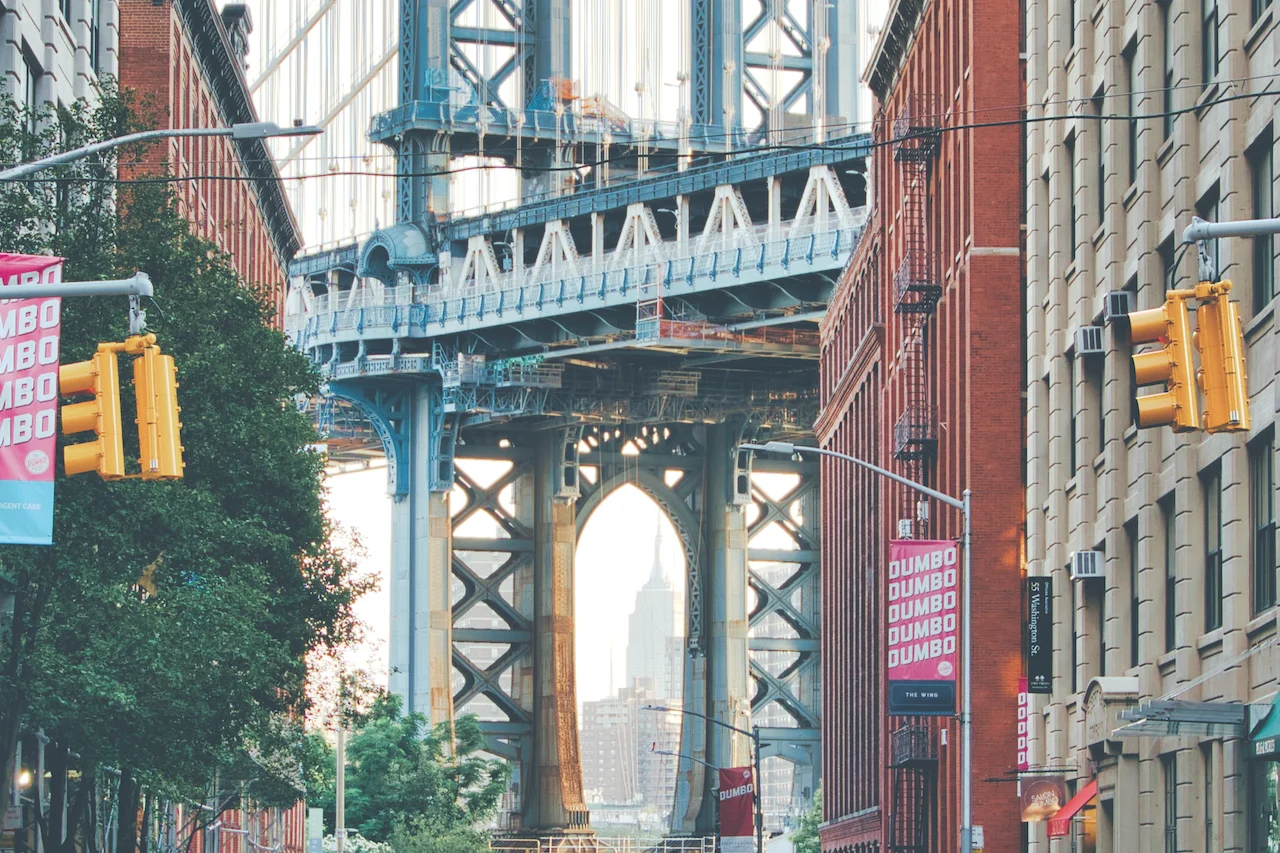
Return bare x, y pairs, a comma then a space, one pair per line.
376, 306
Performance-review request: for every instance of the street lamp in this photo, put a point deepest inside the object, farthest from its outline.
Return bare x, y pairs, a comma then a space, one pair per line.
754, 734
242, 131
965, 505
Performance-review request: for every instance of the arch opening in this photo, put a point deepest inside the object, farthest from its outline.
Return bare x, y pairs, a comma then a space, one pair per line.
630, 586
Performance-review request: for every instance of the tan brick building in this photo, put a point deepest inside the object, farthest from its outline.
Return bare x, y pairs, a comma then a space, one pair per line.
1186, 524
185, 60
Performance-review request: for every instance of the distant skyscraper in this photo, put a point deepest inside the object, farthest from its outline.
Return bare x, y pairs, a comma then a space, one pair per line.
653, 625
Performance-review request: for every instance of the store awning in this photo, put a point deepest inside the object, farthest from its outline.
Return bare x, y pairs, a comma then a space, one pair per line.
1266, 738
1060, 824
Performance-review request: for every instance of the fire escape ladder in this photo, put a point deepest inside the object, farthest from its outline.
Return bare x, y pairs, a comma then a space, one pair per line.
913, 762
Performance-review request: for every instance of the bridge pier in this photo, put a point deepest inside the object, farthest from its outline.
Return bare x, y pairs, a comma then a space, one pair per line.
421, 556
556, 803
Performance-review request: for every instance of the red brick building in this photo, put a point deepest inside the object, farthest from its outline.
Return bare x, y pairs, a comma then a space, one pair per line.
921, 373
185, 61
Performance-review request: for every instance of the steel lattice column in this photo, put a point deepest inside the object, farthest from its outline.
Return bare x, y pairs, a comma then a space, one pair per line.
785, 622
717, 63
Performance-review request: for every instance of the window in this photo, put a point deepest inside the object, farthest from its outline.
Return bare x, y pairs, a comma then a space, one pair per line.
1213, 549
66, 6
1131, 78
1262, 177
1263, 506
1131, 534
1209, 41
31, 94
1167, 518
1073, 434
1257, 7
1166, 18
95, 35
1071, 23
1075, 630
1169, 764
1168, 274
1071, 190
1098, 110
1097, 370
1207, 210
1210, 805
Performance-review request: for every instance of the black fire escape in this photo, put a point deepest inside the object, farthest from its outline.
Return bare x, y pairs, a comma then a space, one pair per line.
917, 288
913, 760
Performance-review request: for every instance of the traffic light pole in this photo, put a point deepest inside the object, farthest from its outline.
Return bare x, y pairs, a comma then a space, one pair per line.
137, 286
1199, 231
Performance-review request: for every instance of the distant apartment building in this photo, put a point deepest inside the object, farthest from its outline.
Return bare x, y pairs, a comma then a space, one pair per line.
1141, 117
607, 743
186, 62
56, 51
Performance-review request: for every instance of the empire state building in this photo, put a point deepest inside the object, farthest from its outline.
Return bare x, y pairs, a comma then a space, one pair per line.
653, 636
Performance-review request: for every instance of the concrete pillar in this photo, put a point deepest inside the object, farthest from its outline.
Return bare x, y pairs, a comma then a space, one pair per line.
554, 802
725, 597
597, 242
420, 648
774, 186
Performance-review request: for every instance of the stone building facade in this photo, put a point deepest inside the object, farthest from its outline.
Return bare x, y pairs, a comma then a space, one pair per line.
1140, 118
55, 51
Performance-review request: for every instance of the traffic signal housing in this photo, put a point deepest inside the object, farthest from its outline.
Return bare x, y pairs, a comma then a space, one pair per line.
1220, 339
100, 376
1171, 366
159, 430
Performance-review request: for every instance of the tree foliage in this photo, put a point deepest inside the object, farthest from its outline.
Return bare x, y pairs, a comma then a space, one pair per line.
406, 781
805, 839
203, 674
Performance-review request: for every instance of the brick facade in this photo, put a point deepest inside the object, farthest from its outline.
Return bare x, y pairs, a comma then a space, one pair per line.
950, 65
186, 76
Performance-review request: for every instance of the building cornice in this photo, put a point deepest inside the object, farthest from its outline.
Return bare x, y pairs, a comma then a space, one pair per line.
221, 68
891, 48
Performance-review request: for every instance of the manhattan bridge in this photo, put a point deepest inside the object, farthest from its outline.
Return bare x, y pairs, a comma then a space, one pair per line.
645, 297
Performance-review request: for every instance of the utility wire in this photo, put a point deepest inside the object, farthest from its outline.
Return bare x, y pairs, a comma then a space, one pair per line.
1021, 120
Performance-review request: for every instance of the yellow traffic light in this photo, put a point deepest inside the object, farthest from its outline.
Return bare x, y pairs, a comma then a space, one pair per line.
1171, 366
101, 377
159, 431
1220, 339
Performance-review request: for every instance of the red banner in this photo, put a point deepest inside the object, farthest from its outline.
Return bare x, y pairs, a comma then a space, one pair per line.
30, 330
923, 626
737, 810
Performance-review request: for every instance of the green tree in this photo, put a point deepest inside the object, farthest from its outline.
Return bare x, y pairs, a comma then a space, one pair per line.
805, 838
405, 779
198, 678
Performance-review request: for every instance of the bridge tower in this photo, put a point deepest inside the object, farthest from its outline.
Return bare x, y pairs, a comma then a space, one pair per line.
548, 336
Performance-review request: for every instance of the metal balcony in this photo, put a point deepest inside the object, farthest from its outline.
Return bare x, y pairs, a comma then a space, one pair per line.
915, 435
915, 285
912, 746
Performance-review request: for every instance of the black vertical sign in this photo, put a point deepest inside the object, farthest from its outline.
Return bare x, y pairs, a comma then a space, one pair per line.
1039, 635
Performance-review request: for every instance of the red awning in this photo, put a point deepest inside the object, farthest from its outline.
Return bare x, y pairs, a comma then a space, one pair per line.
1060, 823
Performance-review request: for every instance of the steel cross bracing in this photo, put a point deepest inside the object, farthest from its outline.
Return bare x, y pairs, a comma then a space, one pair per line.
785, 621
